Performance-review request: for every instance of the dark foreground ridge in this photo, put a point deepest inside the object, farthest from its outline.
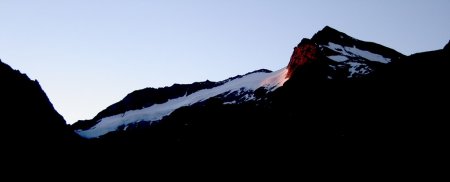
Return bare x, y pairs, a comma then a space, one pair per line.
30, 124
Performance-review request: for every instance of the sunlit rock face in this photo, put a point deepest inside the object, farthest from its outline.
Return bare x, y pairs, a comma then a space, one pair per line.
306, 51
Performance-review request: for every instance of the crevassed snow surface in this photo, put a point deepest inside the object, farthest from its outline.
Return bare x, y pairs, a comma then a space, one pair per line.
353, 51
158, 111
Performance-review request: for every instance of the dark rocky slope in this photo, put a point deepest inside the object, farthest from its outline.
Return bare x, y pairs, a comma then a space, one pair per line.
29, 121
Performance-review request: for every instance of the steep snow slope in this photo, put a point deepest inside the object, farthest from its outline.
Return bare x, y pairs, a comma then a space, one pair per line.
250, 82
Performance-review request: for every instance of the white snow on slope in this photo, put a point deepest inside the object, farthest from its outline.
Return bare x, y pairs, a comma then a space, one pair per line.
158, 111
338, 58
353, 51
358, 68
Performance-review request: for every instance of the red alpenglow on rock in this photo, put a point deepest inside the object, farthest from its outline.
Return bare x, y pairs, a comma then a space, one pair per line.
306, 51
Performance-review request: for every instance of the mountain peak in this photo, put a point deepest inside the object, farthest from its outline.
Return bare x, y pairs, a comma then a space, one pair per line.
328, 29
345, 56
329, 34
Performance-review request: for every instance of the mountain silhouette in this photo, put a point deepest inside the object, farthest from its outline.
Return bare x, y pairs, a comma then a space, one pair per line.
334, 89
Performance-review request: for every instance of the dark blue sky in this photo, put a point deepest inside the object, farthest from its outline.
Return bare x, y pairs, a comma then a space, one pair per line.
88, 54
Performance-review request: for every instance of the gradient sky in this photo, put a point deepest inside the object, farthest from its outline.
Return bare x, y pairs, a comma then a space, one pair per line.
88, 54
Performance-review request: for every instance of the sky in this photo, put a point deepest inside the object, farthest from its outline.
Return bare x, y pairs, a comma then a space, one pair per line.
89, 54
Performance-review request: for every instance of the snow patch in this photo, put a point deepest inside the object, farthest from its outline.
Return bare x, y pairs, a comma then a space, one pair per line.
355, 52
158, 111
275, 79
230, 103
358, 68
338, 58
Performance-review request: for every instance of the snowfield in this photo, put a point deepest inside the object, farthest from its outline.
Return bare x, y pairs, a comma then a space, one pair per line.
355, 52
270, 81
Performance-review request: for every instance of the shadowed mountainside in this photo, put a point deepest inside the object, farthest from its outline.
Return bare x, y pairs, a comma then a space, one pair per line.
28, 117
